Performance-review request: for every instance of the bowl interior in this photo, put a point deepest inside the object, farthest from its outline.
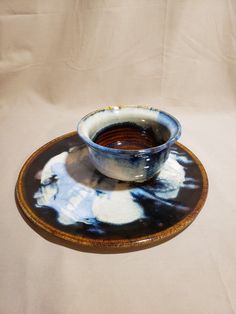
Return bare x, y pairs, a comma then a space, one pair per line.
116, 123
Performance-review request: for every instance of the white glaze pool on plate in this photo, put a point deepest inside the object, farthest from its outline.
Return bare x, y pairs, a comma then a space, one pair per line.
71, 186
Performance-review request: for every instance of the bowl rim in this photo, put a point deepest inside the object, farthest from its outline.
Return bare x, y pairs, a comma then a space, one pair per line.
116, 151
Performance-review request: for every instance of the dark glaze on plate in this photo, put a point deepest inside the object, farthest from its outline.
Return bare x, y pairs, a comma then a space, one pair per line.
165, 208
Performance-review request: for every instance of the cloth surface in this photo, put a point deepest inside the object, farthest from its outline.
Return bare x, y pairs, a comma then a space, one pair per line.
62, 59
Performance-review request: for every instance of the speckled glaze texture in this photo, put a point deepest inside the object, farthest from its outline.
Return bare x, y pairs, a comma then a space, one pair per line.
136, 165
62, 195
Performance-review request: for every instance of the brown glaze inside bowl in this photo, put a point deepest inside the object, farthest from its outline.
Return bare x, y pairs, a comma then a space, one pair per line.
130, 136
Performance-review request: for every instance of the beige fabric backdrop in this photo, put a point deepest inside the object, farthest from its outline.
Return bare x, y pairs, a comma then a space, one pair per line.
61, 59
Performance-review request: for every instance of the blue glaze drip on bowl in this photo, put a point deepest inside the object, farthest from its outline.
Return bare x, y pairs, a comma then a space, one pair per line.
129, 164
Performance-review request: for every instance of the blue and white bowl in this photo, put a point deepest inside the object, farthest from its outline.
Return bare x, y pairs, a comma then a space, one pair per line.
140, 162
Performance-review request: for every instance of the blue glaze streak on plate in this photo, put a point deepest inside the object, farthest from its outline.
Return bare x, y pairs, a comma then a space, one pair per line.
67, 192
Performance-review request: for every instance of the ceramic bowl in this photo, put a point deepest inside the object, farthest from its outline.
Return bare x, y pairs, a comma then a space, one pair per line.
129, 143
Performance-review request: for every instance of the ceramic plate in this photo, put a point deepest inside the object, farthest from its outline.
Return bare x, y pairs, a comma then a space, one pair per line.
67, 201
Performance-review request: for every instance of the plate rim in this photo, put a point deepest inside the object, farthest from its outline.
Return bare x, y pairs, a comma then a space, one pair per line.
83, 241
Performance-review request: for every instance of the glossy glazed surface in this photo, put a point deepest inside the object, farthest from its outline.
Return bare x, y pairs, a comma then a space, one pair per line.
135, 153
60, 190
128, 136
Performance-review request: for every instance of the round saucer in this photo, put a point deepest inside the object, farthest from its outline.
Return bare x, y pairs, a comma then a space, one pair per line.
67, 201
